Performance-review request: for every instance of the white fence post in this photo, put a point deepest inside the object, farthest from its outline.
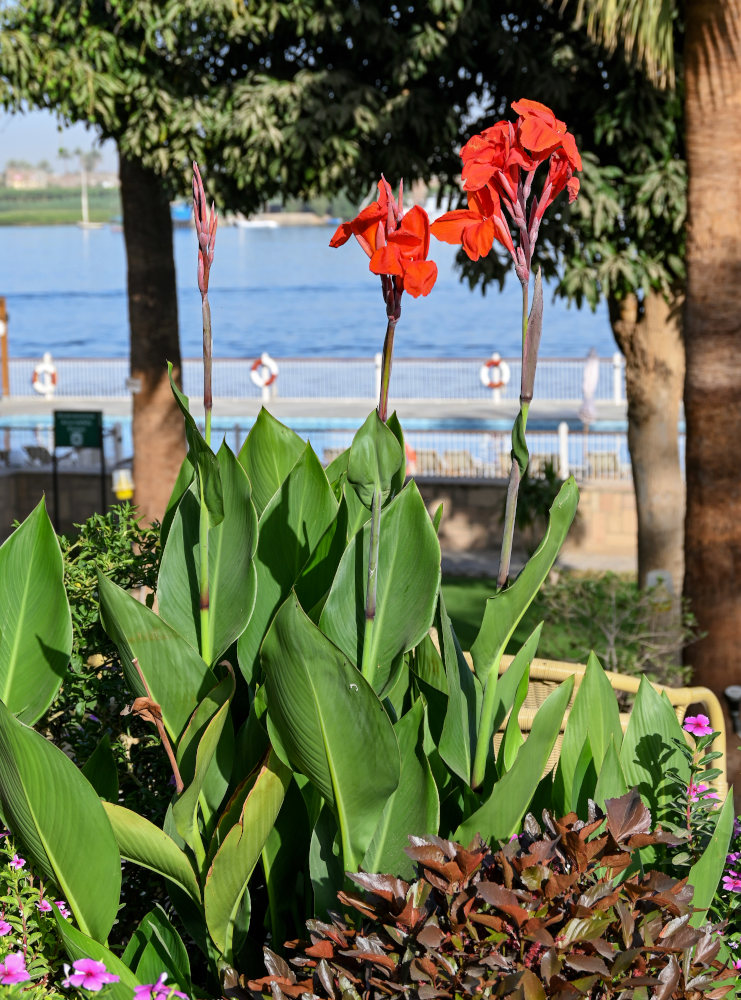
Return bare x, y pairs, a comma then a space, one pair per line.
617, 377
563, 450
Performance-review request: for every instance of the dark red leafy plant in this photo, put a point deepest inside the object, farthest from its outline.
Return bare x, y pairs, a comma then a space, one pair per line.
544, 916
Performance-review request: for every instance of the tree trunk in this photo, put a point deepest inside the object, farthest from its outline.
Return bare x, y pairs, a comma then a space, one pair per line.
712, 396
649, 335
157, 424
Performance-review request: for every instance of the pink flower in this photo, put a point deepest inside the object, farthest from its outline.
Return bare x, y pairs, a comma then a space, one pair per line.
13, 969
737, 964
44, 905
157, 991
17, 862
732, 882
5, 928
734, 856
60, 903
89, 974
698, 725
700, 791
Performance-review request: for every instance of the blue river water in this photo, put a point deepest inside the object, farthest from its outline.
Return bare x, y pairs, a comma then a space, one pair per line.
283, 290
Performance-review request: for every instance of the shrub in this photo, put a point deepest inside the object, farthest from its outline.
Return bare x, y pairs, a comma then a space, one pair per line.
562, 912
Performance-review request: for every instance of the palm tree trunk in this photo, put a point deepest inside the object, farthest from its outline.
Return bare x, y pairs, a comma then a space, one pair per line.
712, 396
157, 425
649, 335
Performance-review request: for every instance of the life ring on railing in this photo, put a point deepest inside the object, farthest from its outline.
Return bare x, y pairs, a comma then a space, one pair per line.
494, 373
264, 371
44, 378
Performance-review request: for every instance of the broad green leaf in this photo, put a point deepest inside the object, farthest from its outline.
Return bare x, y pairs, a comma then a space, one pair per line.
60, 821
231, 574
201, 458
705, 874
505, 609
267, 456
611, 783
79, 945
413, 807
328, 718
186, 475
510, 679
291, 527
176, 675
239, 852
458, 736
375, 459
156, 947
408, 580
285, 881
325, 863
357, 513
500, 815
336, 471
35, 622
647, 752
316, 577
397, 480
513, 739
594, 715
100, 770
145, 844
203, 732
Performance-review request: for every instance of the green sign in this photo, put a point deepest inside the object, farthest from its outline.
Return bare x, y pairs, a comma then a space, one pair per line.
78, 428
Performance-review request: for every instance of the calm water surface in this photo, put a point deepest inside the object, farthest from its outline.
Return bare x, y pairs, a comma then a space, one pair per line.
284, 291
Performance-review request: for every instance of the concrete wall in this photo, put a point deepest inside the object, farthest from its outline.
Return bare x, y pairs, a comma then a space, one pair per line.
79, 496
605, 528
604, 532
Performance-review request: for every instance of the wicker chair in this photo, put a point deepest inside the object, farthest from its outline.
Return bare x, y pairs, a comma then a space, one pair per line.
545, 675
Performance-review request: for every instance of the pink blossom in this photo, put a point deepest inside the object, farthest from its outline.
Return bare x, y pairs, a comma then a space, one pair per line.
5, 928
89, 974
157, 991
734, 856
13, 969
732, 881
44, 905
700, 791
60, 903
698, 725
737, 964
17, 862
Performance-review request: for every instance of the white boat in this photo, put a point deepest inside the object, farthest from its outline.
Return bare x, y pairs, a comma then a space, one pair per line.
261, 223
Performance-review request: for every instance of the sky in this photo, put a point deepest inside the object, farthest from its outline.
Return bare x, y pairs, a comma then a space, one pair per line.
35, 136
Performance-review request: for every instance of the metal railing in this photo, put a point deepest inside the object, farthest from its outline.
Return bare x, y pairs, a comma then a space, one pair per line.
557, 379
476, 454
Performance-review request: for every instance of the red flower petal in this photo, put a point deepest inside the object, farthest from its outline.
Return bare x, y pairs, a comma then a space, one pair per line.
449, 228
419, 277
386, 260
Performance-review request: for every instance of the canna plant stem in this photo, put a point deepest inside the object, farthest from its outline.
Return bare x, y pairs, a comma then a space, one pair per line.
368, 668
388, 350
515, 475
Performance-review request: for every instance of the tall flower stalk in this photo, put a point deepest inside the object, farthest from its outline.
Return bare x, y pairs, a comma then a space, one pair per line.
499, 167
206, 223
397, 245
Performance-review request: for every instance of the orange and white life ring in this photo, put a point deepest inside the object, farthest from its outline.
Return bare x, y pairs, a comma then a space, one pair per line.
264, 371
494, 373
44, 378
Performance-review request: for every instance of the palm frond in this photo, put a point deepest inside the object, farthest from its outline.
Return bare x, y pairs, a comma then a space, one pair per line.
643, 27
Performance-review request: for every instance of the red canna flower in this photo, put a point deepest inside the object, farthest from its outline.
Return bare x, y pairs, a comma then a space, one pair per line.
397, 245
405, 254
499, 165
539, 131
477, 227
